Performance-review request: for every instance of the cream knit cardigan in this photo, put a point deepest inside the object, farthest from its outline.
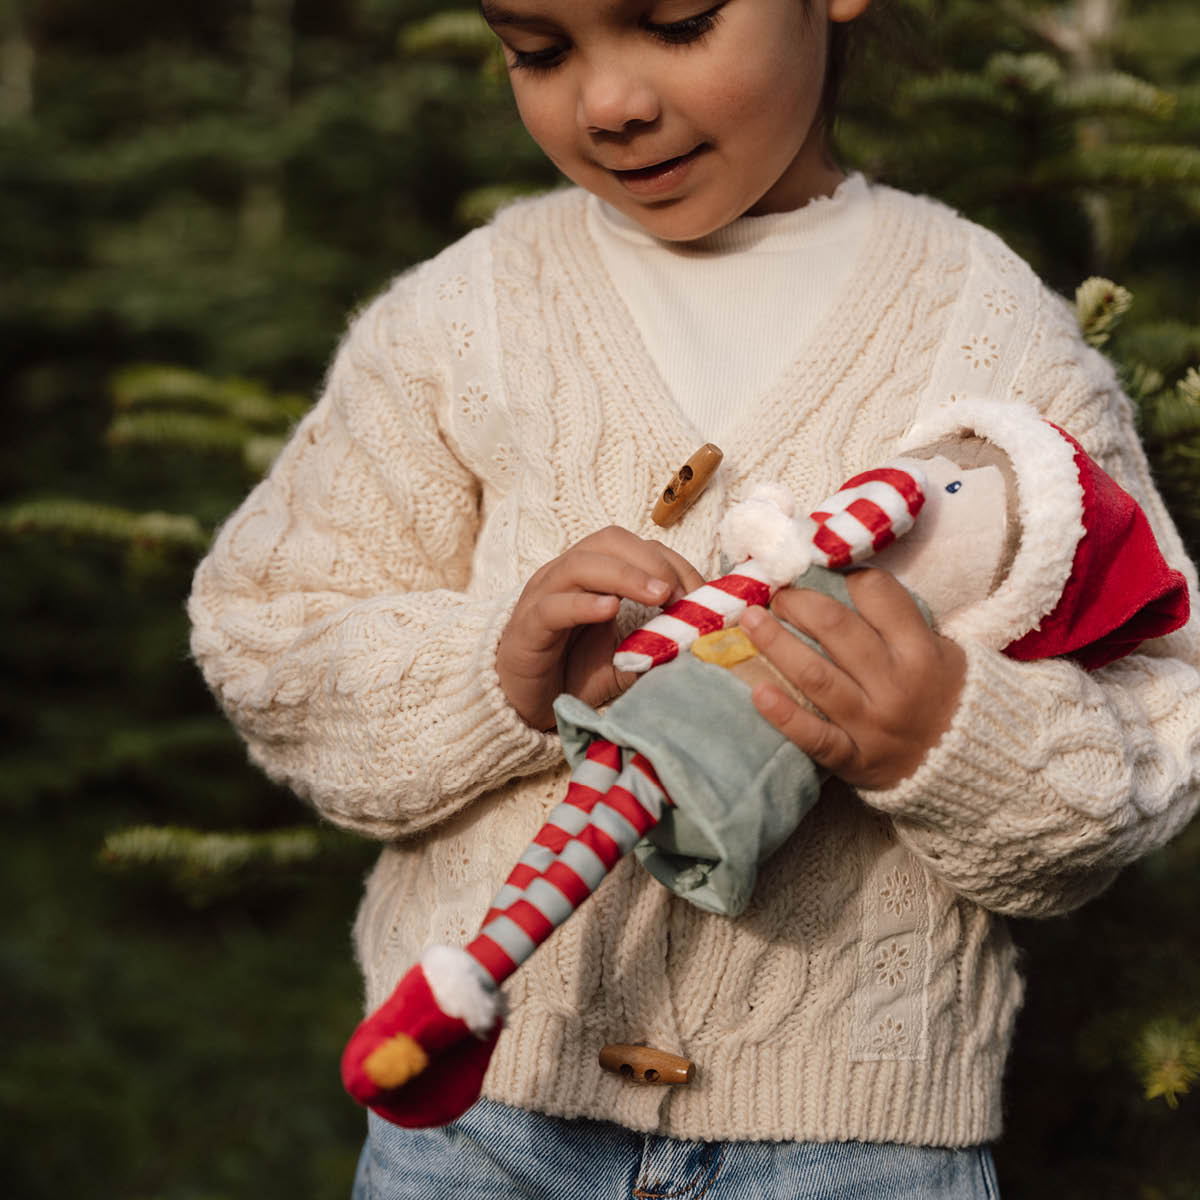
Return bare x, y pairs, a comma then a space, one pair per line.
493, 407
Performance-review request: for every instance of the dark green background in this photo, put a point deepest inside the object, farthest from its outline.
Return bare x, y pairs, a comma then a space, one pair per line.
215, 185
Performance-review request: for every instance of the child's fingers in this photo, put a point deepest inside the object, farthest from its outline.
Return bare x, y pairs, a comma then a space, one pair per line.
850, 641
583, 570
825, 743
656, 559
622, 564
824, 683
686, 577
890, 692
886, 605
560, 637
545, 621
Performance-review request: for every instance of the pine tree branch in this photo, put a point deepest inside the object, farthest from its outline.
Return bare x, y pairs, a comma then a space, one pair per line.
1139, 167
454, 33
192, 431
99, 522
194, 852
149, 385
204, 867
1029, 73
1167, 346
960, 90
1099, 306
1113, 93
478, 206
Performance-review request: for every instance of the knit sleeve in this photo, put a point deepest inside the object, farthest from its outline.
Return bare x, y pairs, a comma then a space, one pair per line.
335, 617
1050, 778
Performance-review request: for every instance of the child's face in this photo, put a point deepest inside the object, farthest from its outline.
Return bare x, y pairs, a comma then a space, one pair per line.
682, 114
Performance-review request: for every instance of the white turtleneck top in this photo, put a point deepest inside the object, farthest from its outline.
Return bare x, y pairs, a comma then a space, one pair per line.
724, 316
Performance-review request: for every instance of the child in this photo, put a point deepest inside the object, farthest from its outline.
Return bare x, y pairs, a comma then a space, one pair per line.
460, 531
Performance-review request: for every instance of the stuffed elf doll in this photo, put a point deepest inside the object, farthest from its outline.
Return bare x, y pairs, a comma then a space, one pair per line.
1050, 557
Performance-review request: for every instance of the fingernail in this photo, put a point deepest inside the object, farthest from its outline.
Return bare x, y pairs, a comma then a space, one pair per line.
659, 586
752, 618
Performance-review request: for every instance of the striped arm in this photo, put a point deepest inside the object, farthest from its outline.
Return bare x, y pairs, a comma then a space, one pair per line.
867, 513
610, 805
709, 608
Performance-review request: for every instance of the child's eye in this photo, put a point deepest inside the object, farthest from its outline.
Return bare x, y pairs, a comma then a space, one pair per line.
690, 29
953, 487
538, 60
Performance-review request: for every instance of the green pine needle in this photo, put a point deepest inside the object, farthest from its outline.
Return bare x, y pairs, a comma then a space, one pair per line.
1188, 388
1099, 306
1142, 381
1168, 1054
1171, 416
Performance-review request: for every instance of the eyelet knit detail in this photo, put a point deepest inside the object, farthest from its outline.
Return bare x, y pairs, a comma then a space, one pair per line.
891, 1017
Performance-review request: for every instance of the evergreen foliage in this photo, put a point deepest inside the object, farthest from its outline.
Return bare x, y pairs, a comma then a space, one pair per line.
193, 198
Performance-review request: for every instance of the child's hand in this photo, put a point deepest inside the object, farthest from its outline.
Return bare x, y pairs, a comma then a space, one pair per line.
562, 634
889, 687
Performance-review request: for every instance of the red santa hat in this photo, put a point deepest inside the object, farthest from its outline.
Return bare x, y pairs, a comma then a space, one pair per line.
1088, 580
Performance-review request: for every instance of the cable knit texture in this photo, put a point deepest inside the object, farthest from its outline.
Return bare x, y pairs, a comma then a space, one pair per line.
348, 614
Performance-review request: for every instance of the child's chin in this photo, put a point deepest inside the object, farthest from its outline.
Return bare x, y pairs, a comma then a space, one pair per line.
677, 220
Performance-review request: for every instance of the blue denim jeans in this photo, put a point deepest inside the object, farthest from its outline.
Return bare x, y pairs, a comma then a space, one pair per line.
498, 1153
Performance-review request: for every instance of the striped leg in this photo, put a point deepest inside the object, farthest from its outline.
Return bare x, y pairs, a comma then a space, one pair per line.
420, 1058
611, 804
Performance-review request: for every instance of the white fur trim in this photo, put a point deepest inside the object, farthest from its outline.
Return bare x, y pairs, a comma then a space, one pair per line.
462, 988
1049, 504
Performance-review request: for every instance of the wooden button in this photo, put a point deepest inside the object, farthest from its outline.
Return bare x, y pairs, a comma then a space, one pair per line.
645, 1064
684, 489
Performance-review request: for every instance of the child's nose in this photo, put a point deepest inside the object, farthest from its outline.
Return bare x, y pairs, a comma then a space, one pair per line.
612, 97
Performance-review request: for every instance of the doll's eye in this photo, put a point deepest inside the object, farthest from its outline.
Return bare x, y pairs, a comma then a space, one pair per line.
953, 487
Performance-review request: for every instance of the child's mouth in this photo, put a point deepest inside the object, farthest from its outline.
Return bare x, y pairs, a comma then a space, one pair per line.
660, 176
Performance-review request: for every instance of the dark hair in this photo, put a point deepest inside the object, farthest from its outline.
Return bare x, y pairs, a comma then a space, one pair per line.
842, 41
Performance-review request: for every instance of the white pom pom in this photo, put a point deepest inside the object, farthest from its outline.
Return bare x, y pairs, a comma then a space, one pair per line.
777, 494
758, 519
762, 527
788, 555
462, 988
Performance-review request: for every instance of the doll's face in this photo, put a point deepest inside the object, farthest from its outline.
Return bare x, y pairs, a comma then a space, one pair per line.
958, 550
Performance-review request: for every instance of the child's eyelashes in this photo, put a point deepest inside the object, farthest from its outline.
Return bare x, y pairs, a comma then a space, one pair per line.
690, 29
538, 60
683, 32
